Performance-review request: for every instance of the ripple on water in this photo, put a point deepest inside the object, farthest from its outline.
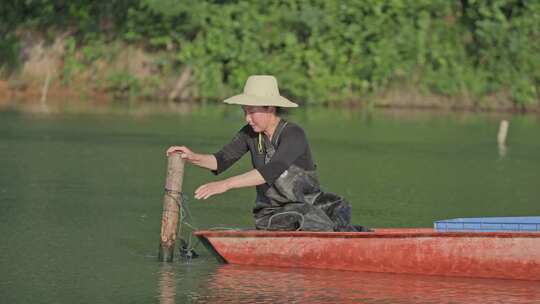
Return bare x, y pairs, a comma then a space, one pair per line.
248, 284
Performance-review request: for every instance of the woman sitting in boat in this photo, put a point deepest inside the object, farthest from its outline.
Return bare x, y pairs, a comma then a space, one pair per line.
289, 196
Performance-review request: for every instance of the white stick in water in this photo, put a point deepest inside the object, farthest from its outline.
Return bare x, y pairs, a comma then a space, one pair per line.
503, 130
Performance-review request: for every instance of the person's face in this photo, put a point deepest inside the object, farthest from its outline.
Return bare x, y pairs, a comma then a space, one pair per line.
258, 118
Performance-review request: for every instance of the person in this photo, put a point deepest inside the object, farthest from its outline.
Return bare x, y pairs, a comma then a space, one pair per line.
289, 196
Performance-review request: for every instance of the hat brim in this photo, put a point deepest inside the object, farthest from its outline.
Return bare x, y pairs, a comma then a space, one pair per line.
252, 100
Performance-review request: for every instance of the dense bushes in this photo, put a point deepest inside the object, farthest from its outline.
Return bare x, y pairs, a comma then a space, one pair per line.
323, 51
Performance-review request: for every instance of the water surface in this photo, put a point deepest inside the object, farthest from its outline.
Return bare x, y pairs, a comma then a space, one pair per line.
80, 203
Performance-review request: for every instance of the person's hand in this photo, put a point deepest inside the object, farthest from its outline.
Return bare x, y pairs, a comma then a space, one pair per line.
207, 190
185, 153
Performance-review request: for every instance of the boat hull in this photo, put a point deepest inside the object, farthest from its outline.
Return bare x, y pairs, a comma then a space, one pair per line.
414, 251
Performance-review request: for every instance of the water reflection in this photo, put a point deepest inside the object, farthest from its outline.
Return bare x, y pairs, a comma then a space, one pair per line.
502, 151
167, 284
244, 284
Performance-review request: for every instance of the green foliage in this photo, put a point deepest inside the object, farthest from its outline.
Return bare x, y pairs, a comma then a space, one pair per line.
72, 64
322, 51
9, 46
326, 51
79, 59
123, 84
9, 54
150, 87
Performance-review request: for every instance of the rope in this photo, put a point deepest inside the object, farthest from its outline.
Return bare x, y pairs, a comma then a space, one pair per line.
188, 248
186, 220
285, 212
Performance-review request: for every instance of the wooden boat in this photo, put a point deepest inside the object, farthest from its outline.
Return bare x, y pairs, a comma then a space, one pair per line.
503, 255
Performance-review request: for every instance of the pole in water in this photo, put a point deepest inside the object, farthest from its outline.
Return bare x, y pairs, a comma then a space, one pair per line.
503, 131
501, 138
171, 207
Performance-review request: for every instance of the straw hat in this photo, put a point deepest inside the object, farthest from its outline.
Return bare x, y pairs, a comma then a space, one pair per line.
261, 90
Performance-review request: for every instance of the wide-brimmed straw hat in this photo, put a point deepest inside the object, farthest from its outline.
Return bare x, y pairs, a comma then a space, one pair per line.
261, 90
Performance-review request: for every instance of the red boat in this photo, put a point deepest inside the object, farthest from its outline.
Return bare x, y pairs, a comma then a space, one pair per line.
503, 255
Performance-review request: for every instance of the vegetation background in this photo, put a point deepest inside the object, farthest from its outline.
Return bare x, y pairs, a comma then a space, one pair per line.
443, 53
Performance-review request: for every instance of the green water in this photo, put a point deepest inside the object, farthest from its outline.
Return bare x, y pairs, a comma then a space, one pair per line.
80, 200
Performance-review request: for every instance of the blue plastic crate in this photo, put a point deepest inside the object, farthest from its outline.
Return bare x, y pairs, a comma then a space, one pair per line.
490, 224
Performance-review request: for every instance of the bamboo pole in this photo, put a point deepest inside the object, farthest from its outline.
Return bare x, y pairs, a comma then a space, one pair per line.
171, 207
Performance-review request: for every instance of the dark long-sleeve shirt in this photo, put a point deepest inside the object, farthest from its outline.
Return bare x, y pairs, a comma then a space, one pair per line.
290, 145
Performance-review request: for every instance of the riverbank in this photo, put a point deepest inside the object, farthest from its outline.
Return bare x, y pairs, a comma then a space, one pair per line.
58, 75
56, 97
455, 55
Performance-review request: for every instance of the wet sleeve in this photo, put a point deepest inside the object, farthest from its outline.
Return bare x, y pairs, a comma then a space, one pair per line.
292, 144
231, 152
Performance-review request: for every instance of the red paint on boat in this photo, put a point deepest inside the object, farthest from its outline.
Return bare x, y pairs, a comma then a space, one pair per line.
505, 255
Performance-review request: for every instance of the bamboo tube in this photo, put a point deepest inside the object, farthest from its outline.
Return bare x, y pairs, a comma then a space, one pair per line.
171, 207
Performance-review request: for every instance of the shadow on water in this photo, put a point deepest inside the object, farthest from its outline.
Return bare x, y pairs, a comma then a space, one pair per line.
249, 284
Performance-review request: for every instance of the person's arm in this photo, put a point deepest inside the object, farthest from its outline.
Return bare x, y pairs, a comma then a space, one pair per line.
248, 179
207, 161
292, 144
233, 151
